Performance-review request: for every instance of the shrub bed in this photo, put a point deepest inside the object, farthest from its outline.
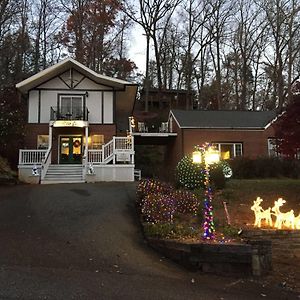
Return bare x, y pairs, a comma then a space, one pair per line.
6, 174
166, 211
265, 167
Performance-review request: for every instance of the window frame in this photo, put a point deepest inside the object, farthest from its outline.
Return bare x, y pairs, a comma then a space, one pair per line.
38, 143
218, 145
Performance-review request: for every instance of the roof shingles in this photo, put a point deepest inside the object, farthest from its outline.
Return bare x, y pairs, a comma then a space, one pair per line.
223, 119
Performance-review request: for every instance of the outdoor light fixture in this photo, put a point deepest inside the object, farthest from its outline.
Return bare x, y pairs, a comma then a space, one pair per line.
209, 156
197, 157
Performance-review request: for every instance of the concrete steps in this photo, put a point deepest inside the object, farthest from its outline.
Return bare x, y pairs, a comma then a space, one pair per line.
63, 174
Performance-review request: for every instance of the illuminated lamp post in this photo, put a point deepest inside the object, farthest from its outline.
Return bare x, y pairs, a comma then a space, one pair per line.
209, 156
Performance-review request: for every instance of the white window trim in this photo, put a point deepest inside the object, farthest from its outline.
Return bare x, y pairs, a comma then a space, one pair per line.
234, 144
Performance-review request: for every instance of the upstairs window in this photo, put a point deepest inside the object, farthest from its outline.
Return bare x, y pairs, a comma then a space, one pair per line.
71, 106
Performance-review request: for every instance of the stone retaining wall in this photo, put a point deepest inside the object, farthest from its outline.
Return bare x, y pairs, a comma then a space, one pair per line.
285, 243
252, 258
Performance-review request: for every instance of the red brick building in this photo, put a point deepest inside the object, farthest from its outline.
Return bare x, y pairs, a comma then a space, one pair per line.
234, 133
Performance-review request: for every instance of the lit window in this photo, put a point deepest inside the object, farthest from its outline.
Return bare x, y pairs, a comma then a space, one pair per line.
42, 141
97, 141
229, 150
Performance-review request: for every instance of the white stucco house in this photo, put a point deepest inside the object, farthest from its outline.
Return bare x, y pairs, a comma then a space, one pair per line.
77, 126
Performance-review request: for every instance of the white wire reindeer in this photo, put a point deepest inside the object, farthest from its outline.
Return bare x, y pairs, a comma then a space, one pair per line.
286, 219
297, 222
260, 213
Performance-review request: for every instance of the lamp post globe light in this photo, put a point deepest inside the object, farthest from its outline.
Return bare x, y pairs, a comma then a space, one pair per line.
209, 156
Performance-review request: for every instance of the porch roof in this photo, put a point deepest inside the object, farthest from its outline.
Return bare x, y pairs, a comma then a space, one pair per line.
47, 74
219, 119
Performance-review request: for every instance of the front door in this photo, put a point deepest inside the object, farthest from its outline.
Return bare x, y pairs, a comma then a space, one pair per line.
70, 150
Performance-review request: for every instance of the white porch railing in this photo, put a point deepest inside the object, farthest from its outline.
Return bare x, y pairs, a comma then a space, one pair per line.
123, 144
85, 160
95, 156
107, 151
116, 146
46, 162
31, 157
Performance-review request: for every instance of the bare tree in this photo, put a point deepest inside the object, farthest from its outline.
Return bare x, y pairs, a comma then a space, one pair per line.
46, 20
221, 14
283, 25
154, 17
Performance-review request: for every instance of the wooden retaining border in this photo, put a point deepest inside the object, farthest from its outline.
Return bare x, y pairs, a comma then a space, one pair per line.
246, 259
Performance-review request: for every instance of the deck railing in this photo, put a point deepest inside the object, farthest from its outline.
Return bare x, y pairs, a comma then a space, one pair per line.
123, 144
85, 162
31, 157
95, 156
108, 152
67, 113
116, 146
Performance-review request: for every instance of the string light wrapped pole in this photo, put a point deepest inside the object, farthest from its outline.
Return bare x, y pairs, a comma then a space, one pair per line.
208, 155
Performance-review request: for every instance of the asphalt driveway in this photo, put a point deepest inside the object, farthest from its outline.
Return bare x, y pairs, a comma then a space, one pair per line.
83, 241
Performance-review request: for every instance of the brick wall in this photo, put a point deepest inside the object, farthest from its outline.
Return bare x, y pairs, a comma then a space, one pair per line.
254, 142
33, 130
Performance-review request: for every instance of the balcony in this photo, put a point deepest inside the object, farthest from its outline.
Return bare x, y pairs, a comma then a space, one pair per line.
68, 113
149, 133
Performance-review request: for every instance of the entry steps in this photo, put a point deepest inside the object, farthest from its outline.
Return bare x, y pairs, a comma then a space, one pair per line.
63, 174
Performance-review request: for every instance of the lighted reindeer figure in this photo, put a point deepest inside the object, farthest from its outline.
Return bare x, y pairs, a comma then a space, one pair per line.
287, 219
297, 222
260, 213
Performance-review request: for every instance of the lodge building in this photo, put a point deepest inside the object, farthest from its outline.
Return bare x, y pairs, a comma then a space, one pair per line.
80, 128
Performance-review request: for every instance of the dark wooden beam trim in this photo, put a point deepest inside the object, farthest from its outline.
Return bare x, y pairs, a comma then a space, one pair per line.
102, 107
84, 77
39, 107
79, 90
62, 81
71, 78
114, 106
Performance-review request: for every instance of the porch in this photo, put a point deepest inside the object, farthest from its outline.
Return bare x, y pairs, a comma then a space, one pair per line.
113, 162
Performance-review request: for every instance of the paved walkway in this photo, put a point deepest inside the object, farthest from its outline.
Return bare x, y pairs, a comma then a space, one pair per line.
84, 242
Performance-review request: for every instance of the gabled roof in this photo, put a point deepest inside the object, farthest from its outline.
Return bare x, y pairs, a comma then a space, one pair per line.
59, 68
218, 119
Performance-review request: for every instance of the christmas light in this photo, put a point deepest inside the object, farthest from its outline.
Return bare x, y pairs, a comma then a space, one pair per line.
210, 156
260, 213
283, 219
159, 202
